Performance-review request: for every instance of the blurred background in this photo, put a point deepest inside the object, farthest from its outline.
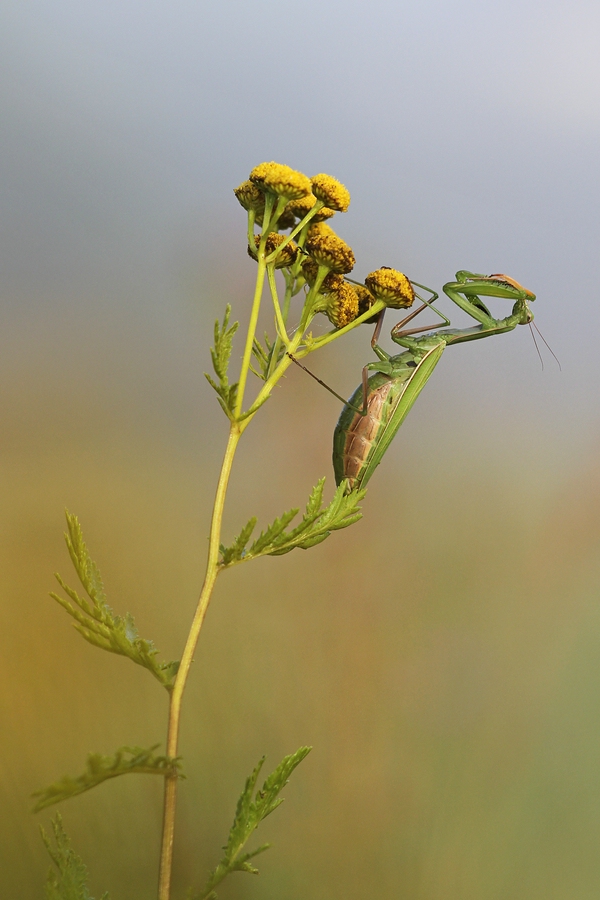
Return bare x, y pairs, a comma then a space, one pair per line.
443, 655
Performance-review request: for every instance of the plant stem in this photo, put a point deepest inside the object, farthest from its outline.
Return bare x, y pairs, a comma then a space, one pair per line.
238, 426
260, 278
212, 570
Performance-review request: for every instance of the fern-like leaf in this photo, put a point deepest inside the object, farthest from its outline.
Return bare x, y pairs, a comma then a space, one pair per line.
69, 881
250, 812
221, 353
317, 524
235, 553
94, 619
98, 768
262, 356
272, 535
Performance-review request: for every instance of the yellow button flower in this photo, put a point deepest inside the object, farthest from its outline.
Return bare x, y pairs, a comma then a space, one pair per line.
327, 249
279, 179
392, 287
343, 305
331, 192
249, 195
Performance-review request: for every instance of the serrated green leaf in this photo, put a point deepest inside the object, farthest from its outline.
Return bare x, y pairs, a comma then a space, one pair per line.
272, 534
95, 620
316, 498
69, 882
220, 355
242, 861
99, 768
249, 814
316, 525
236, 550
307, 543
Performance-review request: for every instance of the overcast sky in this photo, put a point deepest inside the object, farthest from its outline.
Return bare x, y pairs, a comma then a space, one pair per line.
467, 133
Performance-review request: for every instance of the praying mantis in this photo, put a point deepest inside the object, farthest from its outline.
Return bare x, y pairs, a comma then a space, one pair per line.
378, 407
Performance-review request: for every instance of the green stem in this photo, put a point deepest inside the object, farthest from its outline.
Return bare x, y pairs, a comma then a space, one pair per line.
251, 221
263, 395
212, 570
339, 332
281, 317
212, 567
302, 224
282, 334
260, 279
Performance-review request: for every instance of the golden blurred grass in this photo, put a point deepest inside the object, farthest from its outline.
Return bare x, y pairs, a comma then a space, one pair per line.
441, 656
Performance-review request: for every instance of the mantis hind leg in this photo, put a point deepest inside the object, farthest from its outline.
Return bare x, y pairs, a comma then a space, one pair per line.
317, 379
365, 386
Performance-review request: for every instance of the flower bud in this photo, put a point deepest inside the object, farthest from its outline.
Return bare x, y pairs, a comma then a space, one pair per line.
319, 229
249, 196
343, 305
329, 283
327, 249
285, 258
365, 300
392, 287
331, 191
284, 181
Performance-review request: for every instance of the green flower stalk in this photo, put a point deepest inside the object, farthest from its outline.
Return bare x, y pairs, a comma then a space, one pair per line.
308, 264
331, 255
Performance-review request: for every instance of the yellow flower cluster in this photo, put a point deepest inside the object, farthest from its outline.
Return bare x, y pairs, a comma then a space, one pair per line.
310, 270
331, 192
249, 196
284, 181
301, 192
392, 287
342, 307
317, 199
365, 299
327, 249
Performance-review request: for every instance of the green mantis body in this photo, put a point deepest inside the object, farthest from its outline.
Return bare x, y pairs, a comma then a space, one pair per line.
377, 409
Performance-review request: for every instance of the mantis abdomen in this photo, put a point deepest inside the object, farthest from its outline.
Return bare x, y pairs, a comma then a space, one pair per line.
356, 435
361, 438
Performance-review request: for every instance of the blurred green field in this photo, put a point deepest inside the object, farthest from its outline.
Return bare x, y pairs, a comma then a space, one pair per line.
442, 656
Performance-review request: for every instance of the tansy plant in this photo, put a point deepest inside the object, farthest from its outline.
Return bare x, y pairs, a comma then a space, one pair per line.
287, 232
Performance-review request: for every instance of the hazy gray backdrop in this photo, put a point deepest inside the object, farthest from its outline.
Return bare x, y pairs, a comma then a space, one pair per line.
460, 657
